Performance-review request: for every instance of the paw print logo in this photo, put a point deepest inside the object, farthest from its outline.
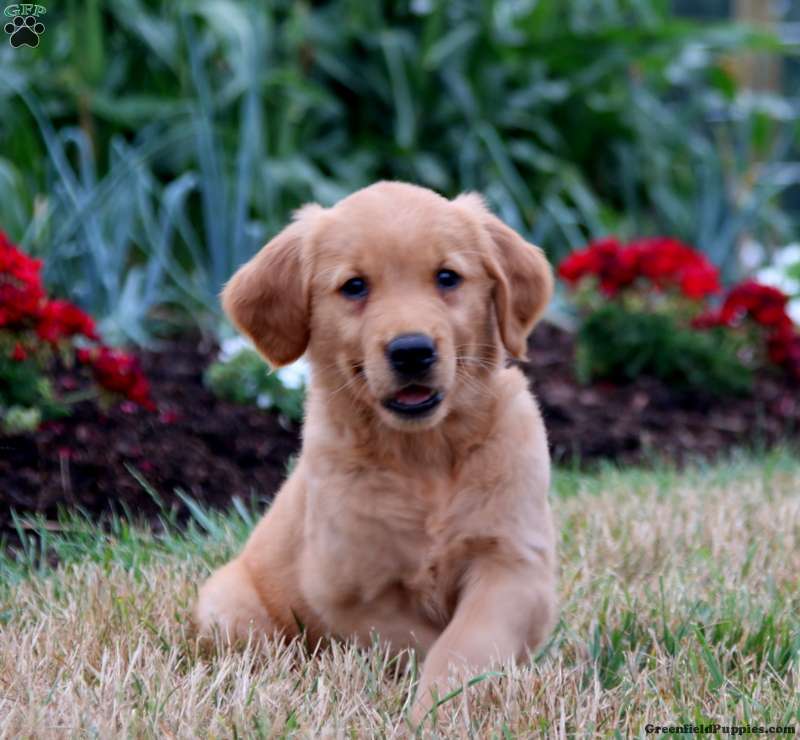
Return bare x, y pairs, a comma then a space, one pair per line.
24, 31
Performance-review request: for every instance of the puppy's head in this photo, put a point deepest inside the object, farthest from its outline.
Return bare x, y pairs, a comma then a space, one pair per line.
403, 299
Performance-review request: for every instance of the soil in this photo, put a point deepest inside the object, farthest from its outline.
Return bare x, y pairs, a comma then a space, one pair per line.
648, 421
209, 449
213, 450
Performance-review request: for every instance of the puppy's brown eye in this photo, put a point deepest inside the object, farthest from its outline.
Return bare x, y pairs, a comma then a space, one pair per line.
355, 288
447, 279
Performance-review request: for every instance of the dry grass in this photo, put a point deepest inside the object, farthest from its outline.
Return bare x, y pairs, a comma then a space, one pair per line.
680, 604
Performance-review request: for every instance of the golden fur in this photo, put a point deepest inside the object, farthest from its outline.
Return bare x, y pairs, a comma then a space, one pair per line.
434, 533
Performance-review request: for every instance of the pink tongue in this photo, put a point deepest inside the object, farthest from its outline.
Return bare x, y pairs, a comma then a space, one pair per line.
413, 395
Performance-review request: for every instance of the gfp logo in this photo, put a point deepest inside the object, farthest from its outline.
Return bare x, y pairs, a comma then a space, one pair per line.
25, 28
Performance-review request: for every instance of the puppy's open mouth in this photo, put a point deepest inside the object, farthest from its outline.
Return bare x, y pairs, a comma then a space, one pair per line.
414, 400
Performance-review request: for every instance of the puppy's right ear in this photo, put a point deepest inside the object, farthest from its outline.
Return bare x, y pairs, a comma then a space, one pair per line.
268, 297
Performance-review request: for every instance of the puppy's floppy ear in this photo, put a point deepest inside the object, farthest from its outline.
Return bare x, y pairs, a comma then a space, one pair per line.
523, 276
268, 297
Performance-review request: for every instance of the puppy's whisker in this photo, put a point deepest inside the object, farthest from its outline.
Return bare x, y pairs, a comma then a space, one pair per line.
477, 361
475, 358
468, 380
348, 383
476, 385
476, 347
470, 345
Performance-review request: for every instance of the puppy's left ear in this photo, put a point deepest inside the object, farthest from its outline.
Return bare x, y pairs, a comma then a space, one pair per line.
523, 276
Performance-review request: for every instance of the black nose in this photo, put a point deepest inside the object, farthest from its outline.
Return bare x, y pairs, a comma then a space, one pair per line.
411, 354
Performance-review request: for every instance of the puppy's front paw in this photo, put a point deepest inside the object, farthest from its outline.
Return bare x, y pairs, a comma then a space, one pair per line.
426, 698
229, 603
419, 712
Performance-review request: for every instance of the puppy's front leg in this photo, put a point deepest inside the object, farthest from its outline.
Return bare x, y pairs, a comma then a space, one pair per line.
504, 610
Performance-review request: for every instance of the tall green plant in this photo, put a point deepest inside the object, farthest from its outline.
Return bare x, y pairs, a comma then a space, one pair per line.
575, 119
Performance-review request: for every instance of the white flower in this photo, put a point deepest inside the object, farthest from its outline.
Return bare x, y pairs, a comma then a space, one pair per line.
793, 309
233, 346
777, 278
751, 254
296, 375
779, 275
788, 256
264, 400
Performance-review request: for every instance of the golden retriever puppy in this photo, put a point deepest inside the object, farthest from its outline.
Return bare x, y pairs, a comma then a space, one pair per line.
418, 508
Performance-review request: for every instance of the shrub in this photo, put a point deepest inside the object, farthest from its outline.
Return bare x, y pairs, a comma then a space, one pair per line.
36, 331
759, 312
644, 310
241, 375
616, 343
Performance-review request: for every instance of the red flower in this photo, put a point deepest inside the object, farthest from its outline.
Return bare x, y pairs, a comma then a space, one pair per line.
62, 319
783, 348
139, 393
708, 320
606, 259
26, 311
659, 258
21, 291
698, 281
118, 372
17, 264
779, 345
23, 303
668, 264
582, 262
18, 354
662, 261
767, 307
765, 304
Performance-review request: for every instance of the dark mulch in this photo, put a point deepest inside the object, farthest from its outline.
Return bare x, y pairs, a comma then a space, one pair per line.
214, 450
648, 420
209, 449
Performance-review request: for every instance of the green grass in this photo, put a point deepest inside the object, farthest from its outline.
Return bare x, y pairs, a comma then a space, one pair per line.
680, 603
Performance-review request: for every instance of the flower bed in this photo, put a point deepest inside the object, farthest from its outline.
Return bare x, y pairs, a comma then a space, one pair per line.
645, 310
111, 459
37, 333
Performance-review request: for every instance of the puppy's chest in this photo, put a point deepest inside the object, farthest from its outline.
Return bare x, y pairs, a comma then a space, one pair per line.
393, 545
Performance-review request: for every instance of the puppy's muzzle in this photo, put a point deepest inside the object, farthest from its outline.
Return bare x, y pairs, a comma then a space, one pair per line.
411, 357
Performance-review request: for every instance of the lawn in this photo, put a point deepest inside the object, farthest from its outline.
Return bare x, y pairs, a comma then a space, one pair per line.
679, 595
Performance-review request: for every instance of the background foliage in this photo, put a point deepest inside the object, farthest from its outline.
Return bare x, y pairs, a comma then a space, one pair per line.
616, 343
149, 148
